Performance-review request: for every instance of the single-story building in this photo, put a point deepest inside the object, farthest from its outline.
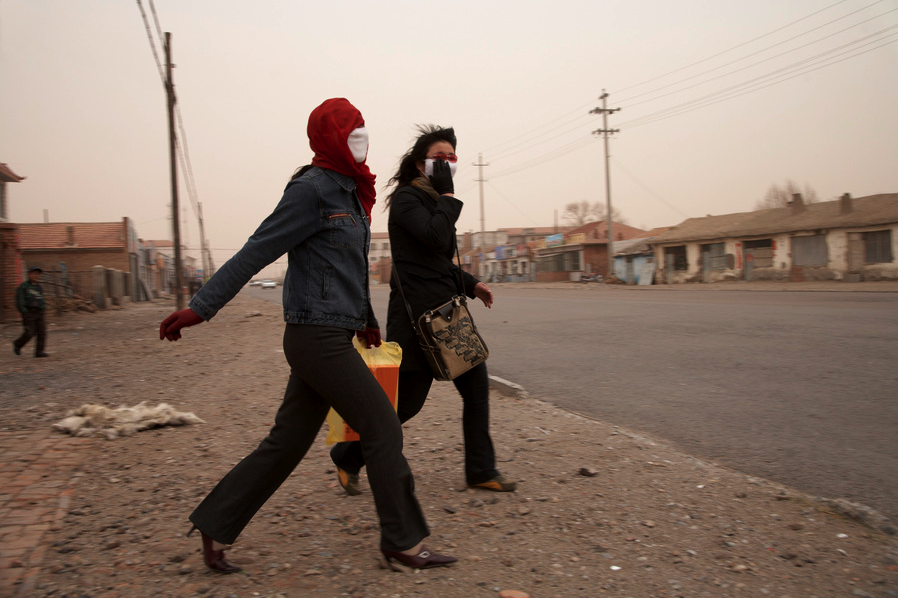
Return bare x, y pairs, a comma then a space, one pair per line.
847, 239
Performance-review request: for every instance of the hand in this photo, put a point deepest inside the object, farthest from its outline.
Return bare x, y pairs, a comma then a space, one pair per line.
483, 292
171, 326
369, 336
441, 179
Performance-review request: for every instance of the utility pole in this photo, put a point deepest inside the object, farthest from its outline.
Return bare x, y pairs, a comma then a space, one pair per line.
172, 151
204, 248
480, 164
605, 131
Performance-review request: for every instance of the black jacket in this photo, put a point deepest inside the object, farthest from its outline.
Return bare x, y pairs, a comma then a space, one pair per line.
422, 243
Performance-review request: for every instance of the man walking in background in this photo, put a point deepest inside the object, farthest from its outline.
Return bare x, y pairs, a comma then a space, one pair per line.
30, 303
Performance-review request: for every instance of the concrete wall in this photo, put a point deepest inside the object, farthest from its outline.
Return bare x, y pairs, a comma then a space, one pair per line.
839, 261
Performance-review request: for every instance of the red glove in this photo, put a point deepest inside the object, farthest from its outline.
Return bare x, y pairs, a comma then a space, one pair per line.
369, 336
171, 326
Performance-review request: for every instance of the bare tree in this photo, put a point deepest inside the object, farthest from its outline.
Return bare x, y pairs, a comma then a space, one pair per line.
616, 215
779, 196
579, 213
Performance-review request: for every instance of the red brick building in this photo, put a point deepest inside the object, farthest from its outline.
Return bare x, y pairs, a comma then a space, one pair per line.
10, 264
564, 257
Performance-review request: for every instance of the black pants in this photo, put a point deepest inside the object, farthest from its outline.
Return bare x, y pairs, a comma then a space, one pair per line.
325, 371
474, 388
35, 325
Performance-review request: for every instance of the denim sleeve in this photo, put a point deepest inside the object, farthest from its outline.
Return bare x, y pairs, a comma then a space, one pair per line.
293, 221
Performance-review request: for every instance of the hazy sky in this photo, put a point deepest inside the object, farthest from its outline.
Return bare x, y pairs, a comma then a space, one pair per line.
719, 99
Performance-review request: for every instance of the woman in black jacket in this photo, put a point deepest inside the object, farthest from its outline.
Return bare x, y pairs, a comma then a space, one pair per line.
423, 213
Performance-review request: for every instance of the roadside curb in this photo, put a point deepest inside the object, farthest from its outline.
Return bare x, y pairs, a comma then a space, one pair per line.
861, 513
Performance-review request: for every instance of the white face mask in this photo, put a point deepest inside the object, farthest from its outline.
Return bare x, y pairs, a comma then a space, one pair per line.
428, 167
358, 144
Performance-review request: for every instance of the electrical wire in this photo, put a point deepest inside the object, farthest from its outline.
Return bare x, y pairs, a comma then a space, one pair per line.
750, 86
780, 55
547, 157
515, 205
530, 137
181, 148
626, 100
758, 83
645, 188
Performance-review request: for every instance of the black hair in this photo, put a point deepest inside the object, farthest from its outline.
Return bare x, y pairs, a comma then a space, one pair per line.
301, 171
408, 171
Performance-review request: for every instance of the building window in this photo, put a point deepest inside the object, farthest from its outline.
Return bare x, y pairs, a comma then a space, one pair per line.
561, 262
809, 251
878, 247
716, 252
676, 256
385, 246
761, 251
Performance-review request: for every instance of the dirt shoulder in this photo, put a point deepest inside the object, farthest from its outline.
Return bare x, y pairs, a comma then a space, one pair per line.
600, 510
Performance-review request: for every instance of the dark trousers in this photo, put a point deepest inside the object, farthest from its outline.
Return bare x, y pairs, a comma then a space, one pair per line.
35, 325
325, 371
474, 388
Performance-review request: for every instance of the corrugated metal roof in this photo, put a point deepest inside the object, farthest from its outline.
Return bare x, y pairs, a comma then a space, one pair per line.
632, 246
872, 210
81, 235
6, 174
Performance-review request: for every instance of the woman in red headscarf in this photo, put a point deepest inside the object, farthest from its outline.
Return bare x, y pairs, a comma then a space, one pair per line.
323, 224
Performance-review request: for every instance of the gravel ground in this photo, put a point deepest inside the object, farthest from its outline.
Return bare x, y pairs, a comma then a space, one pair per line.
599, 511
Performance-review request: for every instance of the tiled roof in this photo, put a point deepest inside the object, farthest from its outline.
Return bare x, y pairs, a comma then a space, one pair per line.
80, 235
536, 230
598, 231
873, 210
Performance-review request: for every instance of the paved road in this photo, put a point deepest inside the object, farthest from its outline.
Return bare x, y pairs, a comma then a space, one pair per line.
796, 387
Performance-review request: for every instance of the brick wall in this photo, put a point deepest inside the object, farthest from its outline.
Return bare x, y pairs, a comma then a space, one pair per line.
77, 260
10, 270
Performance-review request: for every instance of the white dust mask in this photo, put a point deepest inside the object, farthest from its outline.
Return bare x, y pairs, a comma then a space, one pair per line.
428, 167
358, 144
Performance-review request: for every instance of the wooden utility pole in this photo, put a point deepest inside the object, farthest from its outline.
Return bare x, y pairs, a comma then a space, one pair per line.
204, 249
605, 131
173, 156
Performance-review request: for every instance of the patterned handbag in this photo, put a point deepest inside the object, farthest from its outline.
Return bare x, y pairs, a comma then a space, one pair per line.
447, 336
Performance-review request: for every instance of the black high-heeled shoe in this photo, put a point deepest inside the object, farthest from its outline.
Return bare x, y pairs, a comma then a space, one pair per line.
214, 559
423, 560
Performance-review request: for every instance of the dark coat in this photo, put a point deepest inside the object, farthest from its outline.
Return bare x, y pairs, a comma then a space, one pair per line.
422, 243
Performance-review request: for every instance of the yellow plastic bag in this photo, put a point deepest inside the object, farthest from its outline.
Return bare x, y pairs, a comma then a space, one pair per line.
383, 361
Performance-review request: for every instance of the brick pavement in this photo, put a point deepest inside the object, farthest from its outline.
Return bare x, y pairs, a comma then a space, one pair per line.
38, 471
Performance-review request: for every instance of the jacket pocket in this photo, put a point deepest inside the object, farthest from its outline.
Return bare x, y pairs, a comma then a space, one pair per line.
345, 231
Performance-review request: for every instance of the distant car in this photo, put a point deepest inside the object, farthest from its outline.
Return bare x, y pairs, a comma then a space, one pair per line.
256, 283
269, 284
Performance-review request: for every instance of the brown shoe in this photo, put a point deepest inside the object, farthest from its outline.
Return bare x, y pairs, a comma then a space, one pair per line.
350, 482
497, 484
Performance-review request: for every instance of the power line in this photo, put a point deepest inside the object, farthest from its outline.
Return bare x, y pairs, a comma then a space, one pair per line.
755, 63
645, 188
745, 44
757, 83
513, 204
547, 129
547, 157
146, 25
494, 151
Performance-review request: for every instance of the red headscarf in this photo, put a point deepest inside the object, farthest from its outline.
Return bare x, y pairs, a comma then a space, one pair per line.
329, 127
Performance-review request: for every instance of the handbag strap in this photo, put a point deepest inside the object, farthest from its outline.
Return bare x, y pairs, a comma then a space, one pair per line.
408, 308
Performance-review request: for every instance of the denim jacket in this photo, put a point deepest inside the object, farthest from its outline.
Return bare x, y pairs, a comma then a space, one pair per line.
321, 226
